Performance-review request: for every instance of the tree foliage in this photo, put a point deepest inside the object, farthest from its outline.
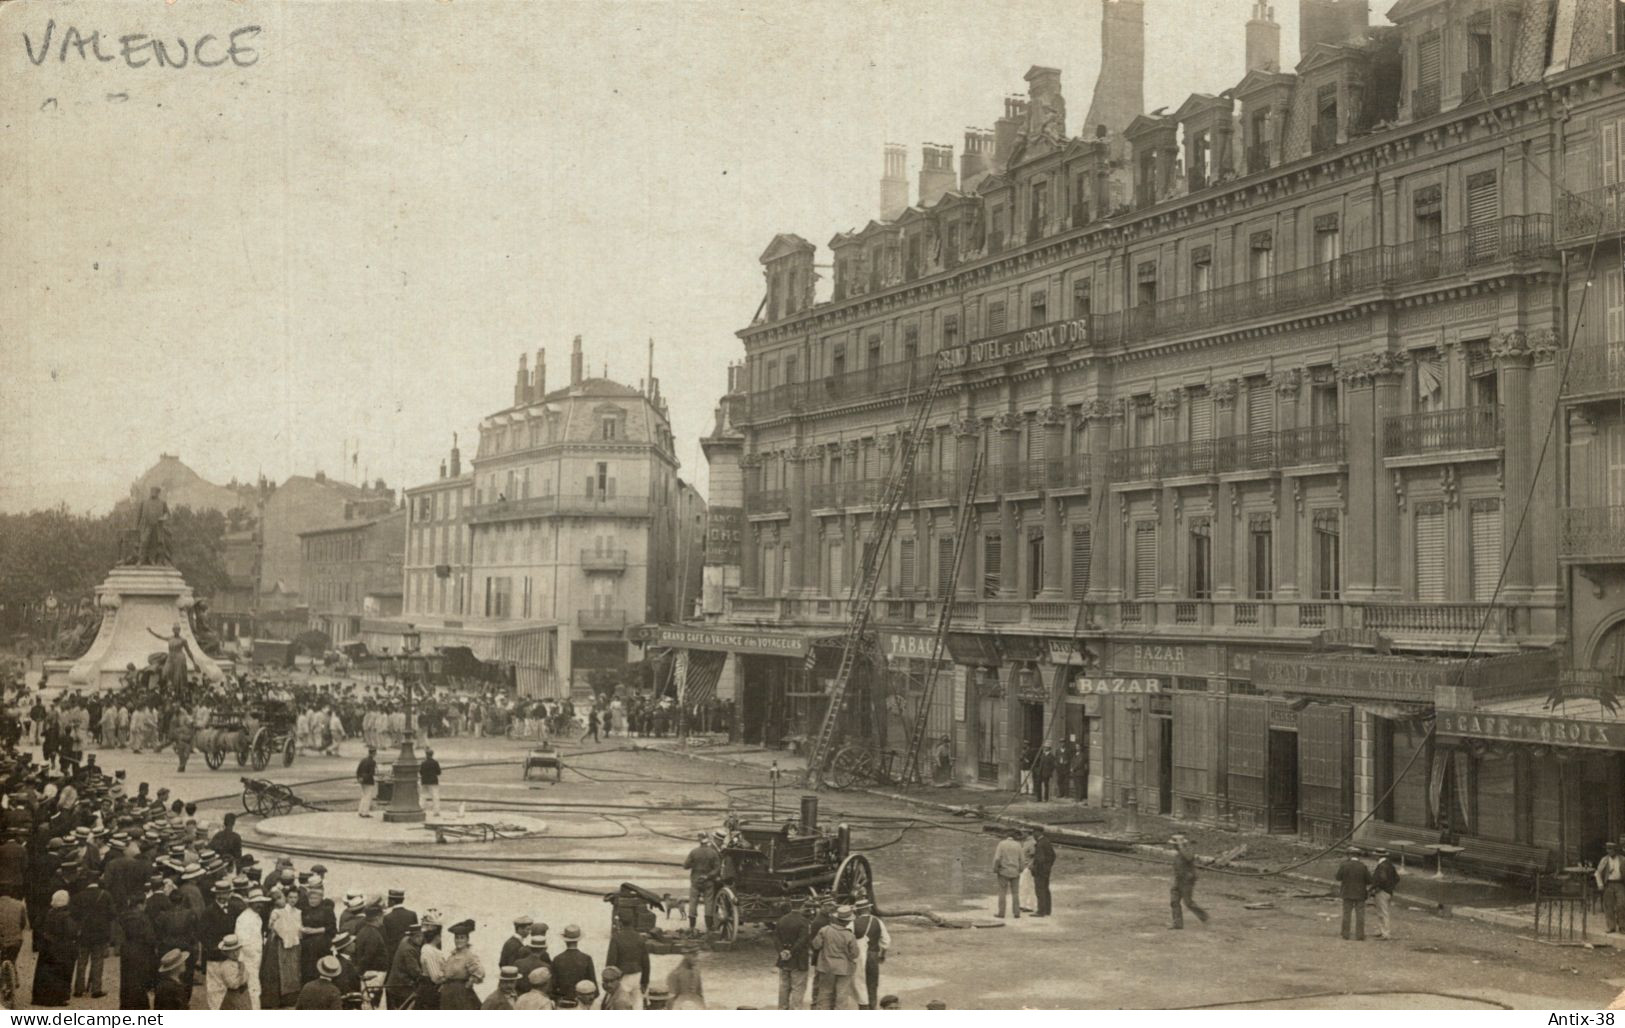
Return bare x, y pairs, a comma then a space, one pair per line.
57, 553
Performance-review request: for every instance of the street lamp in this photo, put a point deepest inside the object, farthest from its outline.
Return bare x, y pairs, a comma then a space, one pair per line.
403, 800
1131, 707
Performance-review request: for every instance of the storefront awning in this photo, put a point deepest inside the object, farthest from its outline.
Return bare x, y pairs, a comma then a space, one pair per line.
726, 640
973, 649
1542, 730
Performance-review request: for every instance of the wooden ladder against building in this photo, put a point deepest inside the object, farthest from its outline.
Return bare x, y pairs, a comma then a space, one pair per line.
861, 599
945, 615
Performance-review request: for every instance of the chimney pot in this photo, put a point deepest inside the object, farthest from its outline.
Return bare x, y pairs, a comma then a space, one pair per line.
575, 362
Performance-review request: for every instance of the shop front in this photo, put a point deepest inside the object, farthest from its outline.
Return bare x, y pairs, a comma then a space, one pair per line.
783, 679
917, 677
1163, 706
988, 756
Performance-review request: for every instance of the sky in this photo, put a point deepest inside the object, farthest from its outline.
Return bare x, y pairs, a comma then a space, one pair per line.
341, 235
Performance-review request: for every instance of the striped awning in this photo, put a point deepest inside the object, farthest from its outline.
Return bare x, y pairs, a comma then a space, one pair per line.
702, 672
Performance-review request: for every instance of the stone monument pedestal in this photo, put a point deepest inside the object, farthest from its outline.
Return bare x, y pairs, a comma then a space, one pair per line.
133, 600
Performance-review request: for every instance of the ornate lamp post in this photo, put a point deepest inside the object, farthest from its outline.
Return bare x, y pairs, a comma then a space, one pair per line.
413, 666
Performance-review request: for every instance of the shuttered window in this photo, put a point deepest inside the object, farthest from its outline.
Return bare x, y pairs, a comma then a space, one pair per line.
1145, 560
995, 317
905, 564
992, 564
1260, 408
1037, 442
1082, 556
837, 569
945, 566
1613, 151
1430, 580
1614, 443
1613, 299
1428, 65
1201, 414
1483, 198
784, 567
1484, 537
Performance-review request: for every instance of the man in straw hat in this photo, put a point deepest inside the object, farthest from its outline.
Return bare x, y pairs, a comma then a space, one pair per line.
1610, 876
837, 954
506, 992
172, 991
1384, 880
1354, 886
322, 994
572, 965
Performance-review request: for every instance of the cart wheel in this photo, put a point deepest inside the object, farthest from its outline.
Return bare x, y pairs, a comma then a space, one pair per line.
278, 801
214, 758
727, 926
854, 880
250, 801
260, 749
245, 749
843, 770
289, 748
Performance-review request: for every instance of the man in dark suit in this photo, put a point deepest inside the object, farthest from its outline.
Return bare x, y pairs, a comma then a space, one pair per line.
227, 843
793, 935
396, 920
628, 952
1354, 885
1043, 770
513, 947
572, 966
1043, 861
1384, 880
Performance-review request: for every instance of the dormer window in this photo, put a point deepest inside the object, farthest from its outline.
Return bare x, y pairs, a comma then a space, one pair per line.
1324, 134
1477, 82
612, 422
1039, 211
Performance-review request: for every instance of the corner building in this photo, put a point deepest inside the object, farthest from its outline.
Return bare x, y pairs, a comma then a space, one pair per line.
1261, 386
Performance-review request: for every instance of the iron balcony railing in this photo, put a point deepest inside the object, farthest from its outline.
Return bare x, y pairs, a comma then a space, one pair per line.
1594, 533
767, 501
1595, 369
601, 620
1315, 444
1442, 431
1597, 212
553, 506
1258, 158
1476, 84
1397, 266
1319, 444
603, 560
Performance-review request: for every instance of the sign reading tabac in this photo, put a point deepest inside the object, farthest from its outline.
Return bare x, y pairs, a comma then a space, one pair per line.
1057, 335
909, 644
1547, 731
735, 642
1386, 678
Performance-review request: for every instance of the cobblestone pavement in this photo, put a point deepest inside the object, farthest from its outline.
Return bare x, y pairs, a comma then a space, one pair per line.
1272, 941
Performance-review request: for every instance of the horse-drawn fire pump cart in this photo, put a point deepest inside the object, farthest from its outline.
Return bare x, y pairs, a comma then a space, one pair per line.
252, 736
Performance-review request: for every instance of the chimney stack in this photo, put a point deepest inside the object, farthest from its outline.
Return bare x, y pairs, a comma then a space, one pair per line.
442, 469
1331, 21
936, 172
1006, 129
538, 377
575, 362
894, 183
456, 457
1119, 95
977, 160
1263, 39
521, 386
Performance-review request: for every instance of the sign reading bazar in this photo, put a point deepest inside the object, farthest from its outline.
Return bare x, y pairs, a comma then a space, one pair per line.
1057, 335
736, 642
1547, 731
1385, 678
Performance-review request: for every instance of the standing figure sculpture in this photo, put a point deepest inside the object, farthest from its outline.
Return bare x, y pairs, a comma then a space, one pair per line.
152, 530
175, 663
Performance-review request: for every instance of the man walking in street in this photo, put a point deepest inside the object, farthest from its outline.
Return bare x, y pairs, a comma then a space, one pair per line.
181, 732
1611, 883
1007, 864
793, 936
1043, 860
1384, 880
1183, 891
1354, 885
366, 778
429, 775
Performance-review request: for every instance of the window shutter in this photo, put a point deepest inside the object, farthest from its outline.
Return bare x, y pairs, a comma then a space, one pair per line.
1430, 584
837, 567
995, 318
992, 563
1610, 153
1201, 414
1427, 59
1260, 409
905, 563
1082, 556
611, 487
1145, 560
1484, 536
784, 567
1613, 292
1037, 442
1483, 199
945, 566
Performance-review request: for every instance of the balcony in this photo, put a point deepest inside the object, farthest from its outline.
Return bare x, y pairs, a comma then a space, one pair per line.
1476, 84
754, 608
601, 620
767, 501
1592, 535
1425, 100
1322, 136
1442, 431
1458, 620
1261, 451
1595, 371
1582, 216
1258, 158
863, 492
1316, 444
1024, 476
933, 485
603, 560
556, 506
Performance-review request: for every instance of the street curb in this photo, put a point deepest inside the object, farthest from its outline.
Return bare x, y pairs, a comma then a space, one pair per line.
1481, 915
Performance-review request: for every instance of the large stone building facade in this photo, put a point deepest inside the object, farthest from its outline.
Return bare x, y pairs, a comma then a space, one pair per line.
1263, 390
352, 572
570, 527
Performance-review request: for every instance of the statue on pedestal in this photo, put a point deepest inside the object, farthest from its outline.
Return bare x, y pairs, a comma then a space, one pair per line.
175, 662
152, 531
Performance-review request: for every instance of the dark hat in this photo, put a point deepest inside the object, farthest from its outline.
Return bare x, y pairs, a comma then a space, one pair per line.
572, 933
465, 927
